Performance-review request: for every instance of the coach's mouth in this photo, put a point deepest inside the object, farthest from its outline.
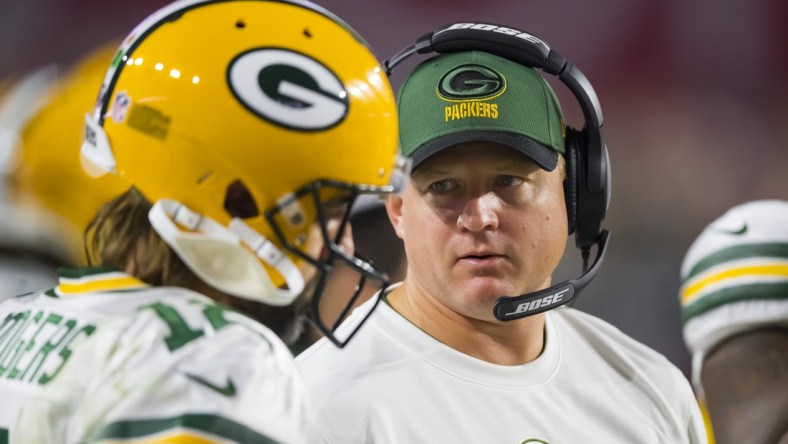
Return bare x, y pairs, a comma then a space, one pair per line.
481, 258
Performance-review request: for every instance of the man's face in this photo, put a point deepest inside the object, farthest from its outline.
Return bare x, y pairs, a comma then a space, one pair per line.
480, 221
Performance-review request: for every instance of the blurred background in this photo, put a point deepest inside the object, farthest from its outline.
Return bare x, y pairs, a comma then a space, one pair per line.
694, 96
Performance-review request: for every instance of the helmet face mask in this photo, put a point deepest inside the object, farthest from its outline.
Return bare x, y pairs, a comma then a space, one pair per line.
325, 255
244, 128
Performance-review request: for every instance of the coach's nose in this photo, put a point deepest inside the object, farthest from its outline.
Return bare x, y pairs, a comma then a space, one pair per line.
480, 213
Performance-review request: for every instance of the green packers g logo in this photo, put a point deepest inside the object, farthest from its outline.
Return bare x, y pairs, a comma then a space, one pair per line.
471, 82
288, 89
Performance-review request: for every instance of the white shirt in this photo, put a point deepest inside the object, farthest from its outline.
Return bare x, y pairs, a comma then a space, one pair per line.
592, 384
104, 357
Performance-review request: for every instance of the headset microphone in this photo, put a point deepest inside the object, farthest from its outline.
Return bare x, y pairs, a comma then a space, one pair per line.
509, 308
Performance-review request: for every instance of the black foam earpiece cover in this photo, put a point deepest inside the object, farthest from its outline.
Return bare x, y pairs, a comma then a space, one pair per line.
571, 146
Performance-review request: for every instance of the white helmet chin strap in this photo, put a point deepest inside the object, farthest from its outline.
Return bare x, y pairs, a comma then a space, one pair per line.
216, 254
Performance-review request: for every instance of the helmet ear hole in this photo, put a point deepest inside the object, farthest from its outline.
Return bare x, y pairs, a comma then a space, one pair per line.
238, 201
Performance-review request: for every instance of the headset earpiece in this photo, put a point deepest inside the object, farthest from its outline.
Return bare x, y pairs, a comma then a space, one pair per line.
593, 190
570, 180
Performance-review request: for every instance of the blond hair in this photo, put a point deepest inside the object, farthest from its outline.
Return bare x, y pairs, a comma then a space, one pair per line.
121, 236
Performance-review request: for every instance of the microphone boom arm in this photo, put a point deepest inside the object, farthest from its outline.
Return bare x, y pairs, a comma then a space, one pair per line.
509, 308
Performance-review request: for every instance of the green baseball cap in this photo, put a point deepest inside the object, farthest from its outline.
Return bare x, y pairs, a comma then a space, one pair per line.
477, 96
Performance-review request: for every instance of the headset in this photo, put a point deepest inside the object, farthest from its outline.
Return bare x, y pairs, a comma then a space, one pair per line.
587, 182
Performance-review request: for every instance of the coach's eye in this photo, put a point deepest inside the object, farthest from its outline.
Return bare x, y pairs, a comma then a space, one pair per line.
444, 185
509, 181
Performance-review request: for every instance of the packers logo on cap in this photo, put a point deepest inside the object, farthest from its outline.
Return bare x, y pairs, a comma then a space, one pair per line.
471, 82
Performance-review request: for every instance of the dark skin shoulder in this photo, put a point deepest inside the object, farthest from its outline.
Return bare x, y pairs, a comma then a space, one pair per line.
745, 380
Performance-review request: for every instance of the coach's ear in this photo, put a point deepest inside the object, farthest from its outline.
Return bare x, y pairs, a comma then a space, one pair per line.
394, 210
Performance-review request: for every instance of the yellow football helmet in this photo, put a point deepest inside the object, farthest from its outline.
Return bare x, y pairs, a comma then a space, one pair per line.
30, 251
47, 199
21, 228
244, 122
46, 177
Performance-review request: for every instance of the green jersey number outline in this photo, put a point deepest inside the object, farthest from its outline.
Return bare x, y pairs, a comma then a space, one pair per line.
180, 331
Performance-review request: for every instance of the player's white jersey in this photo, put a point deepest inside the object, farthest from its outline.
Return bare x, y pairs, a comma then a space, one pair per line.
591, 384
105, 358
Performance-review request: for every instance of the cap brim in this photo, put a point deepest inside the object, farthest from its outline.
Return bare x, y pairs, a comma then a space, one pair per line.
543, 156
